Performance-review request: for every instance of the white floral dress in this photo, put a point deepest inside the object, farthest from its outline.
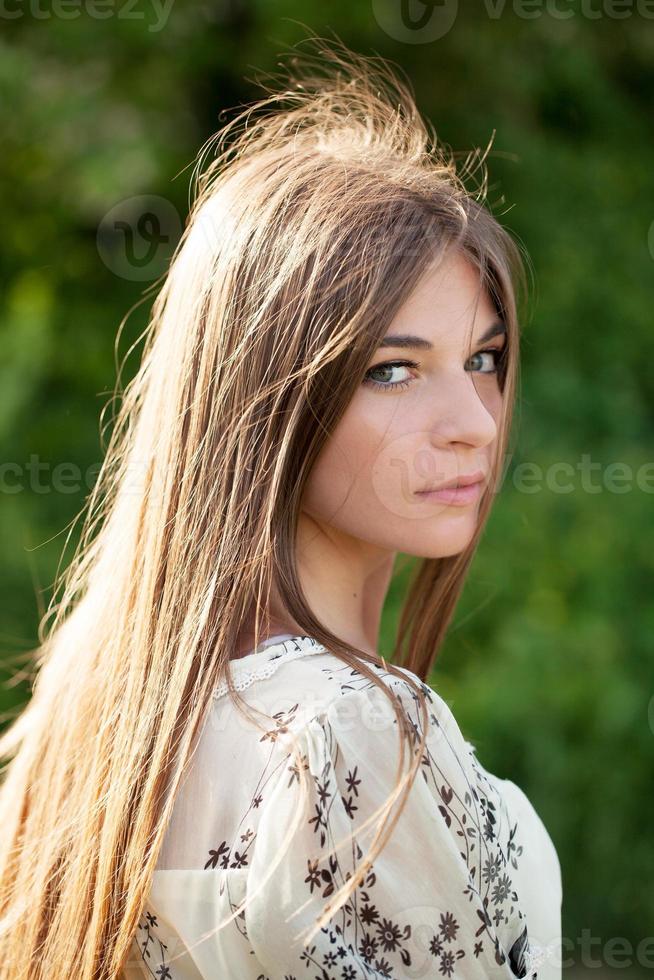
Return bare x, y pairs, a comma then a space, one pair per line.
467, 886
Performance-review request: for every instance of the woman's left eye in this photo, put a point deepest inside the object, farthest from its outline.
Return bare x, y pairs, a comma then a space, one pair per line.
498, 354
390, 366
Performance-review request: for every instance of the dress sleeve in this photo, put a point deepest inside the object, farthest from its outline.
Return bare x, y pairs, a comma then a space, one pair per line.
437, 901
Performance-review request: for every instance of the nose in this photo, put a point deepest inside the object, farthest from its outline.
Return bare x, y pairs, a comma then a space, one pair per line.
464, 413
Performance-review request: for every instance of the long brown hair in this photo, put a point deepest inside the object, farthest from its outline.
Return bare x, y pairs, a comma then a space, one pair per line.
323, 204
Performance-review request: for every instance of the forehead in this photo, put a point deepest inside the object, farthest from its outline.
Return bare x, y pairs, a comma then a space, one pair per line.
446, 304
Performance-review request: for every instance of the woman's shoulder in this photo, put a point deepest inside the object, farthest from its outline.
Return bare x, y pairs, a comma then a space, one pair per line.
298, 680
459, 843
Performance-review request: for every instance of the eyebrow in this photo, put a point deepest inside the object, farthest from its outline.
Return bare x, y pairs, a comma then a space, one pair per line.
419, 343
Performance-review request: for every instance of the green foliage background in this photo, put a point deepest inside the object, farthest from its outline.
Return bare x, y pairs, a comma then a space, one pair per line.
548, 666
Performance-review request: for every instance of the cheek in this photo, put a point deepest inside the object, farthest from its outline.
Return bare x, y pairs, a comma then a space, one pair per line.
340, 483
364, 479
493, 400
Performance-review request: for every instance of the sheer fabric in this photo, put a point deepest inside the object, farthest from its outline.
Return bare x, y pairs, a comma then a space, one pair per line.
468, 885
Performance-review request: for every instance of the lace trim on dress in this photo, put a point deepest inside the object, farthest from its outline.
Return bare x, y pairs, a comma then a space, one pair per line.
260, 664
263, 663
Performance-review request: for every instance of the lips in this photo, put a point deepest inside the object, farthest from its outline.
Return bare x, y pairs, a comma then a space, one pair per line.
454, 496
459, 481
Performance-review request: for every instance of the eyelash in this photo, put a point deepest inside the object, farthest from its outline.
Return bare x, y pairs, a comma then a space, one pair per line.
498, 351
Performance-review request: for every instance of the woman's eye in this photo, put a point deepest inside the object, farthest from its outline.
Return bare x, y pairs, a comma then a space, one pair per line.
498, 354
385, 373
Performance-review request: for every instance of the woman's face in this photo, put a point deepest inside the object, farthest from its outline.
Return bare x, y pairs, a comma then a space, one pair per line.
427, 413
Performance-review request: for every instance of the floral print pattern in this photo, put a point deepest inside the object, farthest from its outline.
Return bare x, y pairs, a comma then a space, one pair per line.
152, 948
443, 901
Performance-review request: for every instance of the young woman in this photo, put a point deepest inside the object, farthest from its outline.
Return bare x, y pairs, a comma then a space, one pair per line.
211, 778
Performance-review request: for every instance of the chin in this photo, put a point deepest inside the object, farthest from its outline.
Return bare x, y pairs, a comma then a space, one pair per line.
441, 545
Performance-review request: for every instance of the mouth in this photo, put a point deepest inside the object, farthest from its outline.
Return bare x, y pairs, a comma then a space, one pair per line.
462, 491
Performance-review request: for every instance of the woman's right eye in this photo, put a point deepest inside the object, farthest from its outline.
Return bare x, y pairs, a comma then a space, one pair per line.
384, 369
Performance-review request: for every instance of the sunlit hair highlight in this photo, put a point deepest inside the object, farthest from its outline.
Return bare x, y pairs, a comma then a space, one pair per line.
315, 212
